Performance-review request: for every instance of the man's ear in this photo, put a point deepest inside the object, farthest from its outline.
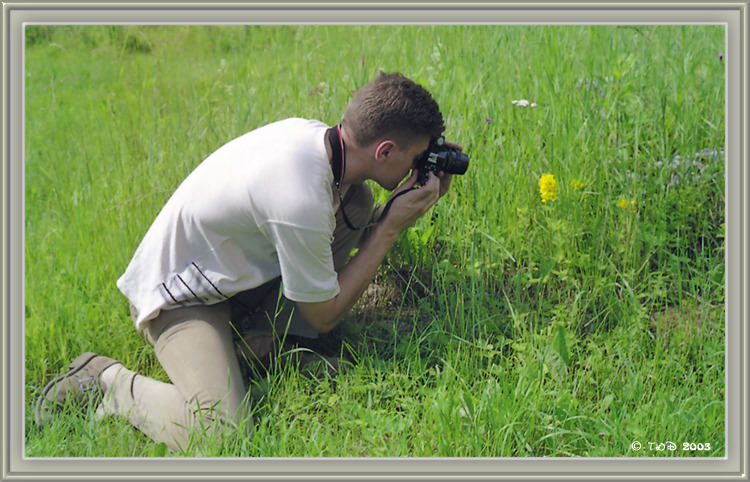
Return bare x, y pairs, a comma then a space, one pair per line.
384, 149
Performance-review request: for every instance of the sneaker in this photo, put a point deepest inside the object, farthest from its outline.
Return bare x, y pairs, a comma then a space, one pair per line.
79, 385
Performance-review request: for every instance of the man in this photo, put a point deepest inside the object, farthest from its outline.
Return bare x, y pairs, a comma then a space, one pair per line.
280, 205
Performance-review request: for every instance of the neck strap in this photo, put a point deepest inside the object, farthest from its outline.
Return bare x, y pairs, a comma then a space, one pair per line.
338, 161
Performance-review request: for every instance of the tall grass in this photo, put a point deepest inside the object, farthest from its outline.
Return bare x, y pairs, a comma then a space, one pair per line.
504, 326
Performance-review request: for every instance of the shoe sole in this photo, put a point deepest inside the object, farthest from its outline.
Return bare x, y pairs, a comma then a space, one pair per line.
75, 366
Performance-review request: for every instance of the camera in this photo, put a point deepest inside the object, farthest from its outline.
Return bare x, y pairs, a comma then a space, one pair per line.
438, 158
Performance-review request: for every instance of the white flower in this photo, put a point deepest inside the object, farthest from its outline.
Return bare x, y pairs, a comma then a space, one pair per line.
524, 103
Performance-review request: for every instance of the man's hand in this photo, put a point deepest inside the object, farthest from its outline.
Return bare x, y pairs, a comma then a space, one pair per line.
444, 184
409, 206
357, 274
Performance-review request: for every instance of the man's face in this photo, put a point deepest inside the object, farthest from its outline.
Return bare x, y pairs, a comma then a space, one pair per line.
401, 161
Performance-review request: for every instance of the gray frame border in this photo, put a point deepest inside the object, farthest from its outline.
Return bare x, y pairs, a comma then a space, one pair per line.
732, 14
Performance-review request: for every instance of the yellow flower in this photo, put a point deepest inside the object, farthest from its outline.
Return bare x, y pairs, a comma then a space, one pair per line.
548, 188
625, 204
576, 184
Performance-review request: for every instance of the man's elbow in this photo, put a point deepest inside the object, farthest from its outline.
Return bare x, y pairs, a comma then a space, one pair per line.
319, 316
325, 327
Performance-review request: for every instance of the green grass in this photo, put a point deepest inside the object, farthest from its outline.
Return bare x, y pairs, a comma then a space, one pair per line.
499, 325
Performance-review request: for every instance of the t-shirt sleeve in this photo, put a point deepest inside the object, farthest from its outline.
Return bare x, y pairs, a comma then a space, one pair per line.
306, 262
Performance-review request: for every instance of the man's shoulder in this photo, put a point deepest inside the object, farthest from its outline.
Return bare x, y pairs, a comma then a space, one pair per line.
291, 125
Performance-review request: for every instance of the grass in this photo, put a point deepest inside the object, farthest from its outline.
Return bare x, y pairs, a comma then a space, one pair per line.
499, 326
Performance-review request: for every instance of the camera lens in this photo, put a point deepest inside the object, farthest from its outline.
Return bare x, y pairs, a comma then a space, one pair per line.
454, 162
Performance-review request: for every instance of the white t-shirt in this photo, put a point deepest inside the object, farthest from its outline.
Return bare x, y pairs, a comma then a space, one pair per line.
260, 207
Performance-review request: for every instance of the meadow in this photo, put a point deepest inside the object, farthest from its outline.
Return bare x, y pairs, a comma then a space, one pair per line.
564, 299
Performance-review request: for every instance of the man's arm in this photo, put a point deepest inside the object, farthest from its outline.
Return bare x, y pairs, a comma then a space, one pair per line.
358, 273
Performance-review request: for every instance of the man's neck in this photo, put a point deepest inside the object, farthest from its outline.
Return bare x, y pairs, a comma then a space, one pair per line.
352, 156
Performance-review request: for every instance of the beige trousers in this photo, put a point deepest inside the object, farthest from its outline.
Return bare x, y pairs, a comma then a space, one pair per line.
207, 395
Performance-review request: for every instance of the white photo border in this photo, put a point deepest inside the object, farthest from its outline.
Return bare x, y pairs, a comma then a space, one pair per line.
733, 15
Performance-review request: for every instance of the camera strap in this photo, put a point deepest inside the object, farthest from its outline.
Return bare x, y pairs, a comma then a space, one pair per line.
338, 164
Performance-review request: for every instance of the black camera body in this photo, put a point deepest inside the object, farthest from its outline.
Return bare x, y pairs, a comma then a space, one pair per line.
438, 158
